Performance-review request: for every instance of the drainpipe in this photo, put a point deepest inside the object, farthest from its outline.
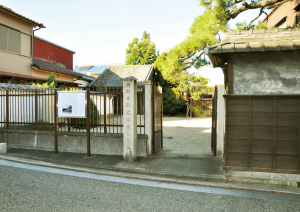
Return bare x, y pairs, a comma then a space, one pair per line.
33, 40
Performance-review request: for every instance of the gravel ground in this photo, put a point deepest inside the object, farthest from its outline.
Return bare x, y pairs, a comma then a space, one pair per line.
189, 135
29, 190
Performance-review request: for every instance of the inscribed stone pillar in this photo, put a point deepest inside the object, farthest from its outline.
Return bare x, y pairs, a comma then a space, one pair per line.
221, 120
129, 119
148, 115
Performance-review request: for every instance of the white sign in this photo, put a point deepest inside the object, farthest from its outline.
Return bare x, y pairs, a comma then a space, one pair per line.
71, 104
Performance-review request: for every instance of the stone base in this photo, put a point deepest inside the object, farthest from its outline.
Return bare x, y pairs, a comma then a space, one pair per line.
3, 148
263, 177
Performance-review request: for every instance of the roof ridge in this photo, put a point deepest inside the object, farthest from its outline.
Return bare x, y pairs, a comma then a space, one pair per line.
21, 16
46, 60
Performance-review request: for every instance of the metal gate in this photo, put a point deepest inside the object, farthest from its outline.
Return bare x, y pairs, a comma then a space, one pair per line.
157, 138
214, 120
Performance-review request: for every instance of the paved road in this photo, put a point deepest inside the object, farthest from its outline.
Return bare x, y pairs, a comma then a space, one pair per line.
34, 188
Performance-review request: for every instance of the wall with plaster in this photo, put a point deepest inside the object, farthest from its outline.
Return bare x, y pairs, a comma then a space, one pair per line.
267, 73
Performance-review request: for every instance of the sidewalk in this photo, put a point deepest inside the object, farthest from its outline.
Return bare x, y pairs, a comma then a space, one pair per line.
193, 166
190, 169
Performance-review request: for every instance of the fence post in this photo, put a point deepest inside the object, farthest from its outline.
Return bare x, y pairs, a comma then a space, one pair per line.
36, 109
105, 115
88, 119
55, 123
7, 109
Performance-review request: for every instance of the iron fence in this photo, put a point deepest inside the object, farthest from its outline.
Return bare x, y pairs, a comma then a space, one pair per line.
34, 108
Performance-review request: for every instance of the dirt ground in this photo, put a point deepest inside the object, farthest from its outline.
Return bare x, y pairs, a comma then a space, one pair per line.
189, 135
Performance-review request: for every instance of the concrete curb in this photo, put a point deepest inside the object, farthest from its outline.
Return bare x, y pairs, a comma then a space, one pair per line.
144, 176
203, 177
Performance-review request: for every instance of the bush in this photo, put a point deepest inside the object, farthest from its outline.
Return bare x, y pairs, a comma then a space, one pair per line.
44, 125
172, 104
196, 111
94, 115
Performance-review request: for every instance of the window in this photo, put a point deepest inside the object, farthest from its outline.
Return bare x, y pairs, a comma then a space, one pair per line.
282, 23
10, 39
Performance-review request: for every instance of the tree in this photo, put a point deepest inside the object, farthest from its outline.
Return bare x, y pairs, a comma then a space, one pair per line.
144, 52
141, 52
205, 32
51, 81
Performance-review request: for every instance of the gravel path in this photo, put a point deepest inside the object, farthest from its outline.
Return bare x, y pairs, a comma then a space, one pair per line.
189, 135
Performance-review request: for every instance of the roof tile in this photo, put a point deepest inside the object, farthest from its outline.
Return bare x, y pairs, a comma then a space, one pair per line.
49, 65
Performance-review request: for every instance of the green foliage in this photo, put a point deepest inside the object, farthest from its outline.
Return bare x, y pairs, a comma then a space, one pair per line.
262, 25
50, 84
99, 89
172, 104
72, 89
196, 111
45, 85
44, 125
205, 31
141, 52
94, 116
173, 64
51, 81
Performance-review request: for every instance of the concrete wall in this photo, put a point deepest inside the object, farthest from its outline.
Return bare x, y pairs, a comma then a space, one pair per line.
266, 73
107, 144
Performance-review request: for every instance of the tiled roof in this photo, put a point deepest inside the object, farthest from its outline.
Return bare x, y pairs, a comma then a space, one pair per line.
113, 76
10, 11
280, 39
49, 65
84, 68
97, 69
86, 77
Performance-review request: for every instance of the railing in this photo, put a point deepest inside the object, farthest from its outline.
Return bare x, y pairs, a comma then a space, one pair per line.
33, 108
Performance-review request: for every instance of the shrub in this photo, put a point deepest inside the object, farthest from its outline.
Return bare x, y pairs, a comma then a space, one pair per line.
172, 104
196, 111
94, 115
44, 125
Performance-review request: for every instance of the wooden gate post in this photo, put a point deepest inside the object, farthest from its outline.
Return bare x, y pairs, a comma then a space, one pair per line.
214, 120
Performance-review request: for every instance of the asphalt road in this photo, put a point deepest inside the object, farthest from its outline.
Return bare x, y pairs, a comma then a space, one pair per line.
34, 188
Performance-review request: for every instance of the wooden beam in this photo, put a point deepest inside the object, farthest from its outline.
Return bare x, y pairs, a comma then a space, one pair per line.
230, 74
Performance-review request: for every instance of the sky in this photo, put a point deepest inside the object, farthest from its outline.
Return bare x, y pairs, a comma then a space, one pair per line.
99, 31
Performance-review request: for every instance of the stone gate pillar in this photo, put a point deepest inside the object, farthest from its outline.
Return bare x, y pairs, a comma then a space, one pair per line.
129, 119
221, 120
148, 115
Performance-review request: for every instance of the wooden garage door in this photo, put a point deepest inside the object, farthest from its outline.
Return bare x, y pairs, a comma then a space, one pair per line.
262, 133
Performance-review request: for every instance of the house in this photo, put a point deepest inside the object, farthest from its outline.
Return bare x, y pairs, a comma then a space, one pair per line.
18, 64
263, 99
284, 15
53, 58
91, 70
48, 50
16, 35
85, 80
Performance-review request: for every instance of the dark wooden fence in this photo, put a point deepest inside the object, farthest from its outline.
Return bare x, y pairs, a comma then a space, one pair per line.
263, 133
27, 108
